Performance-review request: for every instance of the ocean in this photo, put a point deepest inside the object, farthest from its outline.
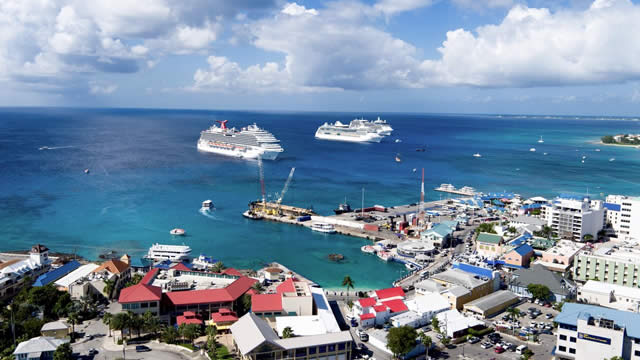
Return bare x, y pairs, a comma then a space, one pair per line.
146, 177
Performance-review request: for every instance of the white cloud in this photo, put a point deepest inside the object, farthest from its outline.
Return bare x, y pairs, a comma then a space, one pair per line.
96, 88
294, 9
392, 7
635, 97
482, 4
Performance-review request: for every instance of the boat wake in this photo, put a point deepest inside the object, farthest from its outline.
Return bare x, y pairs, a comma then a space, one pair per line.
208, 214
54, 147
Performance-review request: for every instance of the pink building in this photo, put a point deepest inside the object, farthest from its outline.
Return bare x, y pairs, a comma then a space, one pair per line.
519, 256
560, 256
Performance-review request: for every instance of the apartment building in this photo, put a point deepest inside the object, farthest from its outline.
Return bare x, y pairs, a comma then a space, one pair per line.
620, 266
623, 213
572, 218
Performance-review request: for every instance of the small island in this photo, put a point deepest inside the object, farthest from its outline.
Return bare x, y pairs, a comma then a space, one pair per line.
621, 139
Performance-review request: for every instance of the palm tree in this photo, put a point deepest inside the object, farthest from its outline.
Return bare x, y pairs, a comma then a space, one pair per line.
73, 319
287, 332
107, 319
218, 267
189, 331
108, 287
348, 283
136, 322
211, 332
258, 287
513, 312
426, 341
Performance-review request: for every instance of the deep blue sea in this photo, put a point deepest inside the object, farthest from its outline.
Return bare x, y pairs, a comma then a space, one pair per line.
147, 177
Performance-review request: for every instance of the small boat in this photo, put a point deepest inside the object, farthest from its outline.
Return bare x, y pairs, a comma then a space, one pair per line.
368, 249
323, 227
612, 159
414, 170
540, 141
477, 155
598, 150
398, 158
532, 149
203, 262
343, 208
177, 232
43, 148
252, 215
545, 153
86, 171
582, 161
410, 267
421, 149
398, 141
584, 157
207, 205
385, 255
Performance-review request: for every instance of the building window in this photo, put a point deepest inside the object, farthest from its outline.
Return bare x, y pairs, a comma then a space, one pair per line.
312, 350
636, 353
562, 348
563, 337
572, 339
332, 347
342, 346
302, 352
572, 351
322, 349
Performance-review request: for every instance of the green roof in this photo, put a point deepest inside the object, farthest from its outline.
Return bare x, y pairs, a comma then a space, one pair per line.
489, 238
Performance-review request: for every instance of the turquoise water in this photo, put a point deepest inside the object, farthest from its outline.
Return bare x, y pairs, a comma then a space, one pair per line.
147, 178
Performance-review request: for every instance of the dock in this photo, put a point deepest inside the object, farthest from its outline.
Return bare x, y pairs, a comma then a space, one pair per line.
453, 190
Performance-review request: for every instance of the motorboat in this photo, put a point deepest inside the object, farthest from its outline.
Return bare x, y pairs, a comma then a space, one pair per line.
323, 227
421, 149
177, 232
597, 150
398, 141
410, 266
612, 159
477, 155
203, 262
540, 141
398, 158
532, 149
86, 171
252, 215
207, 205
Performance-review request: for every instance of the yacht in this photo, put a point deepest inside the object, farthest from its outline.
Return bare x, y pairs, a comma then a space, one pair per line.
477, 155
341, 132
207, 205
177, 232
174, 253
323, 227
203, 262
468, 190
249, 142
541, 141
447, 187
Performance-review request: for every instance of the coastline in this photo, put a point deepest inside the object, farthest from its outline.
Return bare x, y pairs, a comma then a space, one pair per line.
599, 142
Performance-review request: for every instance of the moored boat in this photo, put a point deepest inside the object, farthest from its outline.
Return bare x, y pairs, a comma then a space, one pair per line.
177, 232
323, 227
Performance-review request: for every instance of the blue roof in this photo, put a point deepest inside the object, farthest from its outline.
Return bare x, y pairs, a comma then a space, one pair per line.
441, 229
572, 311
518, 241
523, 249
53, 275
165, 265
573, 196
531, 206
612, 207
480, 271
319, 301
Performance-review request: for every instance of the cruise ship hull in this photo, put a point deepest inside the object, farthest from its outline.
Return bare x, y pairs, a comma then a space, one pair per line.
368, 138
246, 153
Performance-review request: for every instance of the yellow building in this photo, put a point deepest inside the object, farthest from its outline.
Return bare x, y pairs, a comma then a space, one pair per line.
461, 287
56, 329
489, 245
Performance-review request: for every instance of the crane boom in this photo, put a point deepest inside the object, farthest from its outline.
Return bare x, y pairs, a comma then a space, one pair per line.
286, 185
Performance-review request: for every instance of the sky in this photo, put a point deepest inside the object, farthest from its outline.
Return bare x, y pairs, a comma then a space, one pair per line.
573, 57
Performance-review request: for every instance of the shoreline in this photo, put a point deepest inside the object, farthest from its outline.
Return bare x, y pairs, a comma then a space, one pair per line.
599, 142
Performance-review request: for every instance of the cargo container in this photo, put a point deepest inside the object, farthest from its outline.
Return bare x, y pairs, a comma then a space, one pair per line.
304, 218
371, 227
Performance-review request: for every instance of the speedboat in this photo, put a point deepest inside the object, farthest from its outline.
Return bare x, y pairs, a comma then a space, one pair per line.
323, 227
410, 266
540, 141
398, 158
177, 232
43, 148
477, 155
532, 149
398, 141
86, 171
252, 215
598, 150
612, 159
207, 205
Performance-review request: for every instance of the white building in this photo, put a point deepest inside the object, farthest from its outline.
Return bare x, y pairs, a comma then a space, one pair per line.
421, 310
41, 347
610, 295
454, 324
585, 331
623, 213
573, 218
14, 272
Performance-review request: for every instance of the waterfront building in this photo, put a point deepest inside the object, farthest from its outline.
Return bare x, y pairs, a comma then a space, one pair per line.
273, 273
117, 270
40, 348
440, 234
519, 256
291, 298
223, 319
623, 213
56, 329
609, 295
14, 272
489, 245
492, 304
75, 277
572, 218
253, 338
588, 330
560, 256
143, 296
559, 287
459, 287
55, 274
620, 266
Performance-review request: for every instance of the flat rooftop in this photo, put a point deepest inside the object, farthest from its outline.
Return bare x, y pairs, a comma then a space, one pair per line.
565, 248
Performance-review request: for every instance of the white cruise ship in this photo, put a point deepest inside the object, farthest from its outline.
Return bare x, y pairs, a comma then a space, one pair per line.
341, 132
174, 253
250, 142
379, 126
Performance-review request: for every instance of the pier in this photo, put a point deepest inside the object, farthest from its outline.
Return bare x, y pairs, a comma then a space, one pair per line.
464, 191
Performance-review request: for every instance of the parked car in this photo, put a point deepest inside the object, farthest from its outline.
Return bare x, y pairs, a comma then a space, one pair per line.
548, 315
485, 345
93, 352
473, 340
142, 348
354, 323
364, 336
498, 349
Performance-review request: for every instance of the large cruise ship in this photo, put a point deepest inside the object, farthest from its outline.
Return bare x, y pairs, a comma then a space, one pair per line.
174, 253
250, 142
356, 131
379, 126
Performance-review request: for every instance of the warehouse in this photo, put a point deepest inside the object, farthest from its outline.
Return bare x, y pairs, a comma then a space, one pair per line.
492, 303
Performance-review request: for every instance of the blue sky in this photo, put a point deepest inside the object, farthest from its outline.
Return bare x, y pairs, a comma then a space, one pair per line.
461, 56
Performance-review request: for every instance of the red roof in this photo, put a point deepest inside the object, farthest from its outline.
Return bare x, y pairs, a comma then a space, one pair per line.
148, 278
380, 308
232, 271
286, 287
223, 316
396, 306
208, 296
188, 320
180, 267
266, 302
189, 314
367, 316
139, 293
252, 291
367, 302
389, 293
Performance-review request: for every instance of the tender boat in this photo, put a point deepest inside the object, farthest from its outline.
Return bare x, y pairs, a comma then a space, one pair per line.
368, 249
612, 159
252, 215
174, 253
177, 232
398, 141
477, 155
323, 227
203, 262
207, 205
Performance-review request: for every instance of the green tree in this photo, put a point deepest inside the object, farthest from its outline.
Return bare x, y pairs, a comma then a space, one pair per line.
486, 228
426, 341
218, 267
512, 230
513, 312
73, 318
246, 304
587, 237
189, 331
170, 335
151, 323
136, 322
348, 283
445, 340
527, 354
350, 304
109, 286
608, 139
287, 332
212, 332
120, 321
258, 287
63, 352
401, 340
107, 318
435, 324
539, 291
135, 279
